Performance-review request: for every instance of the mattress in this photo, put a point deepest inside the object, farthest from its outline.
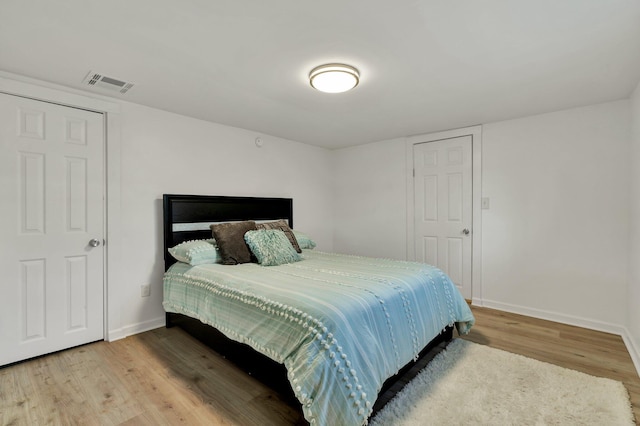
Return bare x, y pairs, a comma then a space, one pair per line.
340, 324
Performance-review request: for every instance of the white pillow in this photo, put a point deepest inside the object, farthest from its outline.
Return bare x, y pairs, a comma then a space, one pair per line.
196, 252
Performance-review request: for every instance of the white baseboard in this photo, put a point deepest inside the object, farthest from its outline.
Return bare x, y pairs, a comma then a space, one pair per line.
132, 329
475, 301
552, 316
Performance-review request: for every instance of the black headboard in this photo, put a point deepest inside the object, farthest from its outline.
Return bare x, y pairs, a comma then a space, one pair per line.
205, 209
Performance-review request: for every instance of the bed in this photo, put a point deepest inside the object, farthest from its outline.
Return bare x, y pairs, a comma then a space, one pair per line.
340, 325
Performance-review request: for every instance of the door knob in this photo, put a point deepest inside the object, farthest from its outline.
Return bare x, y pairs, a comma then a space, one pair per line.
94, 243
465, 231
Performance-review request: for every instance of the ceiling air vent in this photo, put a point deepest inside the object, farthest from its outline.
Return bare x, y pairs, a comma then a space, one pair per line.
102, 81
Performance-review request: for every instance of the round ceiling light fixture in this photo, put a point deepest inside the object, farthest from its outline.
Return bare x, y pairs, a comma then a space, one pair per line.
334, 78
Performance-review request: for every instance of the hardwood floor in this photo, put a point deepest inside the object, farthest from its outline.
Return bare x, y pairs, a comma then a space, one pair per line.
166, 377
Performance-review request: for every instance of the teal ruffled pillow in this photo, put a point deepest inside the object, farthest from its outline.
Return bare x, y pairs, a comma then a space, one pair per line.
304, 241
196, 252
271, 247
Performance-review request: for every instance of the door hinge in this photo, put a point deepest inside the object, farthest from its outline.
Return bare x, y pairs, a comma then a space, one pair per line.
414, 172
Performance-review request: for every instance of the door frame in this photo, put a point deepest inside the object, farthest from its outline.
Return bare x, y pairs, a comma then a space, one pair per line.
26, 87
476, 189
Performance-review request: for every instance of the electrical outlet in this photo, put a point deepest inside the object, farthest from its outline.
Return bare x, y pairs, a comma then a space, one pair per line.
145, 290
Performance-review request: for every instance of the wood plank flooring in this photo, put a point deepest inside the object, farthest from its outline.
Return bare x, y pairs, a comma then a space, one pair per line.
165, 377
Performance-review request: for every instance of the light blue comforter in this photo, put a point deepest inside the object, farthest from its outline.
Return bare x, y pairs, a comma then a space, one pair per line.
340, 324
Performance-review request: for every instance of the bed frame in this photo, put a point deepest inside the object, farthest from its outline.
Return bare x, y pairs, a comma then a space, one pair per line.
187, 217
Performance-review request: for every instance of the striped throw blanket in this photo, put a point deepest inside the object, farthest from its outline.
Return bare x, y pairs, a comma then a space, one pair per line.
340, 324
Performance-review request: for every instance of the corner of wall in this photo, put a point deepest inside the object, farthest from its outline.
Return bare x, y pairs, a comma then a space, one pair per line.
632, 331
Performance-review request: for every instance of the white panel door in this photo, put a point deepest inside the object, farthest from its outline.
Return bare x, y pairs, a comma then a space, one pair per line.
443, 207
51, 207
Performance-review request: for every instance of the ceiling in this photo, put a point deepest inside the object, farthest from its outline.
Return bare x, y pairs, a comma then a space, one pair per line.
425, 65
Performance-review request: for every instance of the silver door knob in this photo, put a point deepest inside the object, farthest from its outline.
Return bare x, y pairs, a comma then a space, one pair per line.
465, 231
94, 243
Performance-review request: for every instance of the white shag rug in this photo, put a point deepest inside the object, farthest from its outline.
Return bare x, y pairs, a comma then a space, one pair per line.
473, 384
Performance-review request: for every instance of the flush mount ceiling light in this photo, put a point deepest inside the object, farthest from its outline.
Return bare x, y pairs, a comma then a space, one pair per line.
334, 78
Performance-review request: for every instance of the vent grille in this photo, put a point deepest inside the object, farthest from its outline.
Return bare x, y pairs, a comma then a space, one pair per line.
94, 79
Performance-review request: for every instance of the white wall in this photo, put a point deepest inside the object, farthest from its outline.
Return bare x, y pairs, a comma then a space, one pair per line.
370, 200
168, 153
633, 296
555, 238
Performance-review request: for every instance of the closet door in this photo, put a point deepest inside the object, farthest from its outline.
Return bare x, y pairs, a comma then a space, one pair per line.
443, 207
51, 227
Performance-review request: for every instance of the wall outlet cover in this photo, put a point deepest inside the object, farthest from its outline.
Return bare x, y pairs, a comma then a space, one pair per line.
145, 290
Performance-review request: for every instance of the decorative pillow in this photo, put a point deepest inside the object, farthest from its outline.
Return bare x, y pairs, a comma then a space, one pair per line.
284, 227
304, 241
271, 247
196, 252
230, 240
